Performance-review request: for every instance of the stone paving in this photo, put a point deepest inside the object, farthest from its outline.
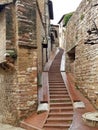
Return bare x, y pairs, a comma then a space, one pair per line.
9, 127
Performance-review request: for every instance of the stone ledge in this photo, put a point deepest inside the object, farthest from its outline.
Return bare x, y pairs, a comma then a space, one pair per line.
27, 45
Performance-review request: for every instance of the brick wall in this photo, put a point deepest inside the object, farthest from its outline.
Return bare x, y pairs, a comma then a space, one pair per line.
86, 55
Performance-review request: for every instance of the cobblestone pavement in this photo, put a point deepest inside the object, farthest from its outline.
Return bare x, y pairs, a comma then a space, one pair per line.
9, 127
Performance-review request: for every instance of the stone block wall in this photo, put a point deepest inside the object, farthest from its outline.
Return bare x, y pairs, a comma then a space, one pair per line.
19, 85
24, 31
8, 113
2, 37
26, 92
10, 27
85, 46
26, 14
27, 58
8, 77
40, 32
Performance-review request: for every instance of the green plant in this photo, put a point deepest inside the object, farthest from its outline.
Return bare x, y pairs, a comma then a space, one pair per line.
67, 17
82, 17
12, 53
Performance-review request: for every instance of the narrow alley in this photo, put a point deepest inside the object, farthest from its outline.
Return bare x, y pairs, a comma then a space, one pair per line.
48, 72
62, 114
61, 110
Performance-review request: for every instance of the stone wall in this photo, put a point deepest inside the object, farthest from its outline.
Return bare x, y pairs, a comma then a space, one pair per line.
82, 47
10, 27
26, 92
8, 113
26, 13
8, 77
19, 85
40, 32
24, 32
2, 37
55, 31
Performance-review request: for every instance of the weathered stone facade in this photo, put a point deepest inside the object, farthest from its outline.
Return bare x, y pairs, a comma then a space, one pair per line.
40, 32
27, 57
82, 47
55, 34
3, 37
23, 28
7, 75
8, 113
18, 80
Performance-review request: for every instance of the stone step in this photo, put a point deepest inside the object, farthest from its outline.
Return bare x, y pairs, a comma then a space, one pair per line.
57, 89
61, 109
61, 104
55, 79
57, 64
55, 75
58, 126
56, 83
54, 100
26, 126
58, 92
59, 96
57, 86
59, 120
55, 70
61, 114
55, 67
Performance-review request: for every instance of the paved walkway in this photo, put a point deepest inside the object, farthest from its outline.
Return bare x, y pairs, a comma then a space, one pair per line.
9, 127
36, 122
76, 95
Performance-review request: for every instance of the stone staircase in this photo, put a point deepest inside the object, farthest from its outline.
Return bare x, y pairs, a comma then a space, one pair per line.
61, 108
